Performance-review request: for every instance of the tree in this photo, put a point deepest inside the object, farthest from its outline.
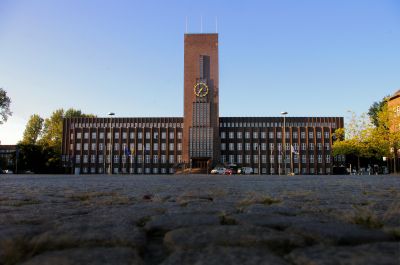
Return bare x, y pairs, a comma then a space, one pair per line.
5, 102
375, 108
52, 130
33, 130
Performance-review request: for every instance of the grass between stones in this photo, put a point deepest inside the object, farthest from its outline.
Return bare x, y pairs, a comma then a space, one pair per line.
255, 198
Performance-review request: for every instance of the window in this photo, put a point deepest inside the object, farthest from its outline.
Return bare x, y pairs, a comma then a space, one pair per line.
140, 135
311, 146
271, 146
311, 135
163, 159
263, 135
311, 158
231, 159
147, 135
116, 158
247, 146
239, 159
94, 135
132, 135
303, 159
147, 159
239, 135
327, 158
248, 159
86, 135
294, 135
255, 135
93, 147
101, 159
223, 146
163, 135
319, 146
147, 147
78, 146
222, 158
303, 135
239, 146
279, 135
140, 146
78, 135
303, 146
85, 146
101, 135
171, 135
295, 158
155, 158
124, 135
231, 135
179, 146
77, 158
179, 157
155, 135
319, 158
222, 135
279, 146
264, 159
327, 146
116, 147
247, 135
85, 158
171, 146
326, 135
179, 135
255, 146
163, 146
263, 146
231, 146
319, 135
279, 159
271, 135
271, 159
116, 135
140, 159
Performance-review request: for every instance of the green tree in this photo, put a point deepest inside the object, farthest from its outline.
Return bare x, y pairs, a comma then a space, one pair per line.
33, 129
375, 108
5, 102
52, 130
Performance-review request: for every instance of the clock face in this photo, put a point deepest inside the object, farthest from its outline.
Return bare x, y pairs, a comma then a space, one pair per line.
200, 89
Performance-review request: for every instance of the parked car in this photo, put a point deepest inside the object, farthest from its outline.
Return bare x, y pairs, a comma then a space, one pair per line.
218, 170
7, 171
245, 170
229, 171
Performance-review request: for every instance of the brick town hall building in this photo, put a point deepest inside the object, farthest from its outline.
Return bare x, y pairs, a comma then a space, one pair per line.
201, 139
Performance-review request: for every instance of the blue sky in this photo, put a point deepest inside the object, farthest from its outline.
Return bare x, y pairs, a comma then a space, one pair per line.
310, 57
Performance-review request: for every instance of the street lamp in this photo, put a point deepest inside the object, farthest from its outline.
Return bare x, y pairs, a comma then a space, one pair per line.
111, 144
284, 113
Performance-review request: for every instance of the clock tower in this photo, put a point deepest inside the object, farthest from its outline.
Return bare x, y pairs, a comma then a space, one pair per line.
201, 117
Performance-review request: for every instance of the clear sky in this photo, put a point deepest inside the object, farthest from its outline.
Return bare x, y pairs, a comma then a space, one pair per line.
309, 57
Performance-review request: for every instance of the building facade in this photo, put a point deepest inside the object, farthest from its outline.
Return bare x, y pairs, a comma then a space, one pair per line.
201, 139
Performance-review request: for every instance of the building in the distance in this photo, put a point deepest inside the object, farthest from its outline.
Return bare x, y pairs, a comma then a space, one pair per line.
201, 139
7, 157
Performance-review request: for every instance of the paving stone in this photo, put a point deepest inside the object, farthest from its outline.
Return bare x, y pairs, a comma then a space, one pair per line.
271, 209
382, 253
231, 235
335, 233
275, 221
93, 231
225, 255
173, 221
84, 256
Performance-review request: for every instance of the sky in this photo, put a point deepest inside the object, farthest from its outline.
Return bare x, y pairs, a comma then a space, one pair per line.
309, 57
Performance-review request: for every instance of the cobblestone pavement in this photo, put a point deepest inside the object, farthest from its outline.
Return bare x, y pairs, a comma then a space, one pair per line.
183, 219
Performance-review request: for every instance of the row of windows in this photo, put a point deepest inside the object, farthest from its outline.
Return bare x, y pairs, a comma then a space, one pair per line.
263, 146
263, 135
255, 159
128, 149
130, 170
125, 135
127, 125
276, 124
128, 159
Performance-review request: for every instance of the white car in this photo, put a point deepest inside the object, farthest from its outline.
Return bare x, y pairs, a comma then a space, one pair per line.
245, 170
218, 170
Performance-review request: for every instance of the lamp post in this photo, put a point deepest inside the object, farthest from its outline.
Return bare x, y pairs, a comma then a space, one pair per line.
284, 113
111, 145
